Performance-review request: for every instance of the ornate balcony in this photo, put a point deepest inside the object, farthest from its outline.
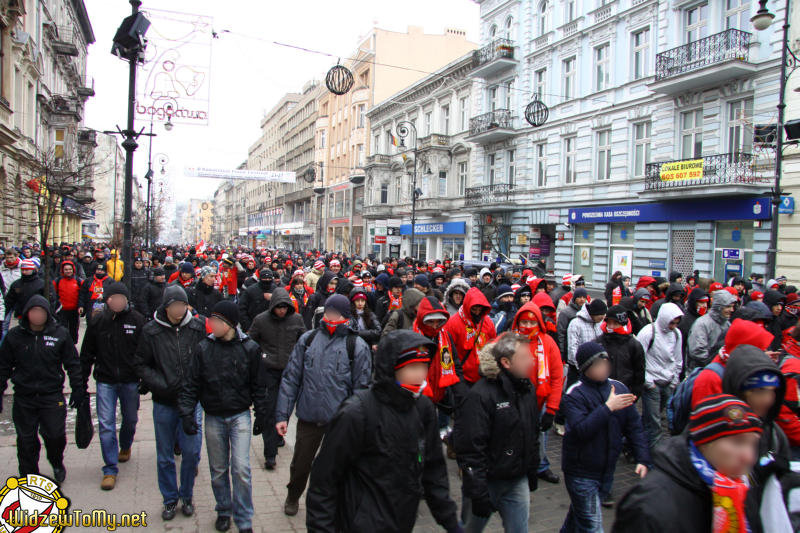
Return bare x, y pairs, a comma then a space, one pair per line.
492, 126
705, 61
488, 195
493, 58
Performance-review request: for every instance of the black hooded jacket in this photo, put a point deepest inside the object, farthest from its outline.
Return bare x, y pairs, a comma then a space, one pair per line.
320, 292
252, 302
690, 315
35, 360
277, 336
203, 298
109, 345
380, 456
674, 288
21, 291
627, 360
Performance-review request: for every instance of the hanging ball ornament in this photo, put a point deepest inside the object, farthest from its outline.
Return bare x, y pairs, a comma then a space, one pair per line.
339, 79
536, 112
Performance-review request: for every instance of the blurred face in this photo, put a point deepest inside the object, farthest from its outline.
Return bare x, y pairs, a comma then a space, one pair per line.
332, 315
458, 297
117, 303
726, 311
209, 279
176, 311
27, 271
37, 316
159, 279
360, 303
674, 323
412, 374
280, 310
521, 363
760, 400
599, 371
67, 270
598, 318
396, 291
732, 456
579, 301
524, 298
218, 327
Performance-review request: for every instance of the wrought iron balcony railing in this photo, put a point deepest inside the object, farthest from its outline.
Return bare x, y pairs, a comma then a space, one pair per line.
499, 118
719, 169
722, 46
497, 49
487, 194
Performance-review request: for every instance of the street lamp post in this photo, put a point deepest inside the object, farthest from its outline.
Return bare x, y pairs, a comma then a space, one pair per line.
149, 177
761, 21
403, 132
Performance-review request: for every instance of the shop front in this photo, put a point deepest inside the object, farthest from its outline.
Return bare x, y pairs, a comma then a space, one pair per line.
436, 240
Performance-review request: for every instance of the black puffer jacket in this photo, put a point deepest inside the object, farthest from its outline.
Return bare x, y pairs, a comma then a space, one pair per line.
154, 294
110, 345
252, 302
320, 295
380, 456
203, 298
627, 360
139, 282
277, 336
35, 360
670, 499
496, 433
21, 291
164, 353
226, 377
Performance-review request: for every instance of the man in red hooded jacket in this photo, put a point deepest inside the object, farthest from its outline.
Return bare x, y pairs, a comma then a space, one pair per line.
67, 289
471, 329
443, 371
547, 376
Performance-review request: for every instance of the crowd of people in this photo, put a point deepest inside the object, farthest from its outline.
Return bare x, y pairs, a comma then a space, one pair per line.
390, 366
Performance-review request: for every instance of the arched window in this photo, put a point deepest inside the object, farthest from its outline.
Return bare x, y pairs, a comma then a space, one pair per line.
493, 31
542, 18
509, 26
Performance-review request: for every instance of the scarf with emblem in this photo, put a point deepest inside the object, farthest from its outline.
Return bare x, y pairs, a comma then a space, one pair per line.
727, 496
395, 303
441, 372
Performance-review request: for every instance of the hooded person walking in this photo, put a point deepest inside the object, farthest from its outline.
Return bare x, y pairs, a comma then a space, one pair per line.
707, 335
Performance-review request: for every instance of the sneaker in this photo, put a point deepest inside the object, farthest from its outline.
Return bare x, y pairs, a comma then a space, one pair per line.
549, 476
559, 429
109, 481
290, 507
59, 473
269, 463
187, 508
608, 502
223, 523
169, 511
124, 456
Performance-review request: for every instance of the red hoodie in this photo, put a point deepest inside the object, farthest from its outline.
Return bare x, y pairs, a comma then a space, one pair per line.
741, 331
644, 283
548, 372
790, 366
470, 337
442, 371
67, 288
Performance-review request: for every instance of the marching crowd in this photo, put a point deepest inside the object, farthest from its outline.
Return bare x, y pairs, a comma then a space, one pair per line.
390, 366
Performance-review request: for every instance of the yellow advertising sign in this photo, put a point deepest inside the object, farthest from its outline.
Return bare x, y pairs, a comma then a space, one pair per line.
689, 169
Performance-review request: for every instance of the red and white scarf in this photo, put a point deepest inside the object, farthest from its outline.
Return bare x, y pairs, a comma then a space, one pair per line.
441, 372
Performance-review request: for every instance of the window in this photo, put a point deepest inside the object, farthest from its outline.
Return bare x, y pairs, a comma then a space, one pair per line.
510, 168
692, 134
463, 110
442, 184
737, 14
490, 168
542, 23
365, 78
445, 115
603, 154
376, 148
569, 159
384, 193
696, 22
509, 27
569, 10
59, 138
362, 118
602, 68
452, 248
398, 191
641, 53
569, 78
740, 133
541, 164
641, 147
493, 31
18, 104
492, 94
583, 252
360, 155
428, 117
510, 95
323, 135
3, 61
462, 178
539, 80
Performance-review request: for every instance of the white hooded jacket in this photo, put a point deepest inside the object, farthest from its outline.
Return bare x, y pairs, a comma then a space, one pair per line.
662, 348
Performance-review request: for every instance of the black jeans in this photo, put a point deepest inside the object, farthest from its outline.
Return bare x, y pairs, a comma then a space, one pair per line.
309, 437
47, 416
270, 434
70, 320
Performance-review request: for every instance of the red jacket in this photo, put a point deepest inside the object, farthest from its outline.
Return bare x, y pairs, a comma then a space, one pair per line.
741, 331
176, 277
790, 366
229, 280
547, 375
470, 337
68, 289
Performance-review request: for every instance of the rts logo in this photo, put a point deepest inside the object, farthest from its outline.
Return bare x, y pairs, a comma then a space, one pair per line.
28, 503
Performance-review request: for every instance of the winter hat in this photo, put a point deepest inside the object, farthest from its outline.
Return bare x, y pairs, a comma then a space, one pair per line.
265, 274
335, 262
168, 259
357, 282
580, 292
381, 268
340, 303
187, 268
299, 272
588, 353
504, 290
597, 307
763, 378
382, 279
158, 272
422, 280
566, 279
206, 271
721, 415
174, 293
394, 281
357, 293
116, 288
618, 313
227, 311
27, 264
319, 265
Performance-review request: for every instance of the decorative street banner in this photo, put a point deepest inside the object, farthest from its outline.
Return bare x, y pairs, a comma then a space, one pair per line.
174, 80
231, 174
690, 169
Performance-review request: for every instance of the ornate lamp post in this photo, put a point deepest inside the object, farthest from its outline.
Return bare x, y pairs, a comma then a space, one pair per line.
403, 130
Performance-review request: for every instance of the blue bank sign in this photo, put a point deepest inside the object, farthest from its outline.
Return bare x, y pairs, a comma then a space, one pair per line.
722, 209
435, 228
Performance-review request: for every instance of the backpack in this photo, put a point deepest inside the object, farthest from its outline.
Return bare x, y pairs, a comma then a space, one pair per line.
680, 404
350, 342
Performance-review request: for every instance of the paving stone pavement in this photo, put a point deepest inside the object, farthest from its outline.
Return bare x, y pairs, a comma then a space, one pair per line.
137, 488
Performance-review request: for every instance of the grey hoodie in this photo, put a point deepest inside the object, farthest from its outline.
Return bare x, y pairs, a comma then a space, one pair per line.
707, 335
456, 284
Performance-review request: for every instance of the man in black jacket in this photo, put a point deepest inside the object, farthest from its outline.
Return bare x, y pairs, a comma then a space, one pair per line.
276, 331
109, 345
496, 437
255, 298
162, 363
34, 355
22, 289
154, 293
139, 280
202, 295
225, 375
624, 352
382, 451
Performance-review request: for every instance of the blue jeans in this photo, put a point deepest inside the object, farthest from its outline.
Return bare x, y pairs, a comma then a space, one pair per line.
654, 403
107, 395
228, 446
584, 514
166, 421
544, 462
511, 498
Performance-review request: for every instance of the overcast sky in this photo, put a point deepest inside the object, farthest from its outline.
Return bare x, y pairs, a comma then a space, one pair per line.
248, 74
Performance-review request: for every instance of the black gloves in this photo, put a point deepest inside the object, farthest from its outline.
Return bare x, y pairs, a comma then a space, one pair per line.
143, 389
482, 507
189, 425
258, 425
546, 422
76, 398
